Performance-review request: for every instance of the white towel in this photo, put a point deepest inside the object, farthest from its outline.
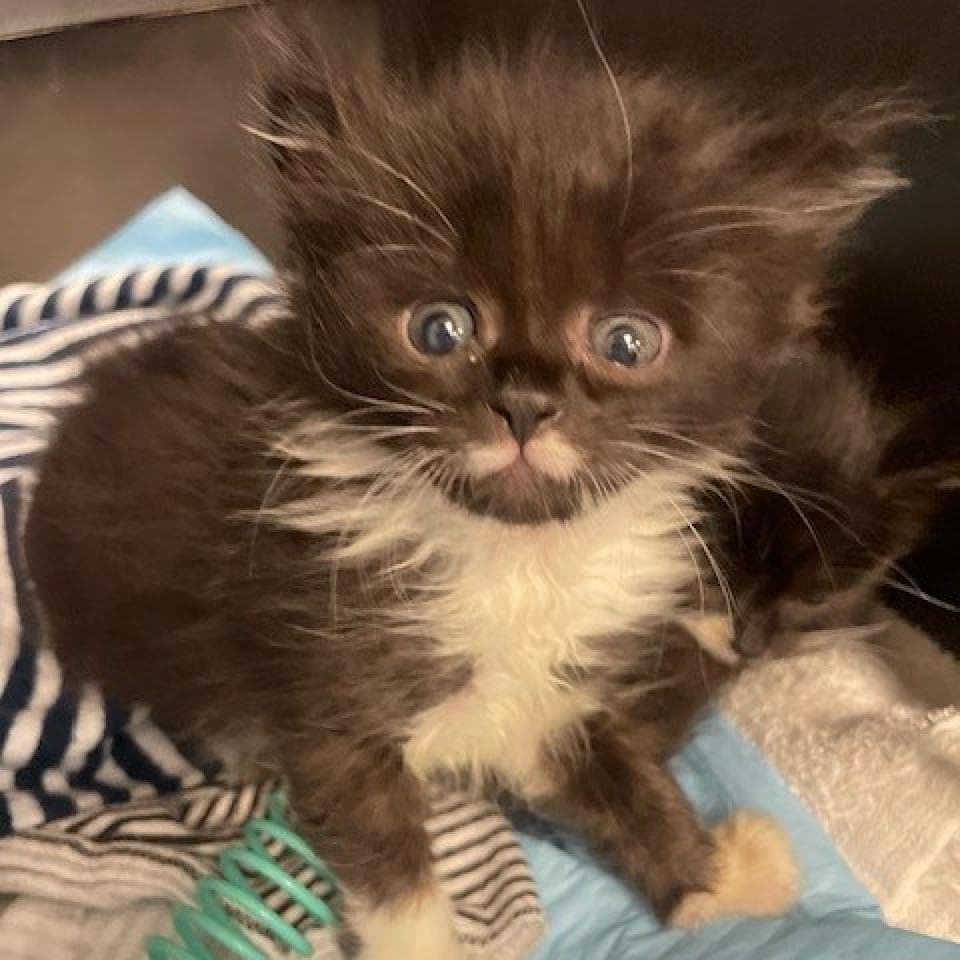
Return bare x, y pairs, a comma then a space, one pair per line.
866, 728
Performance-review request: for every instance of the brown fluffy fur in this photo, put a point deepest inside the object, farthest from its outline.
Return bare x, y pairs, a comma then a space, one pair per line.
187, 549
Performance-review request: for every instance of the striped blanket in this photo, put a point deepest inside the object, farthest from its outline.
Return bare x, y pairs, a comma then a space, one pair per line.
103, 818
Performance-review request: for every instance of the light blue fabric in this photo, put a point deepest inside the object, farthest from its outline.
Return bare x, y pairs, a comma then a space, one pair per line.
174, 228
592, 915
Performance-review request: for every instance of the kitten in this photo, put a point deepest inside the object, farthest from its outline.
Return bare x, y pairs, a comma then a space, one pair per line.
443, 520
824, 508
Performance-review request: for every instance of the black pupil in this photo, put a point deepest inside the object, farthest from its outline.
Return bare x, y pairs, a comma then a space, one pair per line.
625, 346
443, 332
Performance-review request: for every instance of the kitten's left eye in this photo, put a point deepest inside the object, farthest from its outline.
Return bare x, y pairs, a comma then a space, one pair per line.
628, 340
442, 327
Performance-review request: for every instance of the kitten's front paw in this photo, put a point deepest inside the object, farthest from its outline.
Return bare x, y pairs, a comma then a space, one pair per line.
421, 928
755, 874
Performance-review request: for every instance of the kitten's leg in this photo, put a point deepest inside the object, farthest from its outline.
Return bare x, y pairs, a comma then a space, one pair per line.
366, 814
620, 795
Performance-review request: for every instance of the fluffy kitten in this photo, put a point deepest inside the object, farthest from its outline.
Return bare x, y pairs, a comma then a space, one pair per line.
444, 518
824, 507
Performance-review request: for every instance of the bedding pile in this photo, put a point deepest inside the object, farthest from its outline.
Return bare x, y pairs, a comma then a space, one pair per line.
867, 731
105, 823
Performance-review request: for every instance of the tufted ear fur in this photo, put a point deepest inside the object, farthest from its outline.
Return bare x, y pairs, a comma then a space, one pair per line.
290, 109
302, 88
823, 168
296, 108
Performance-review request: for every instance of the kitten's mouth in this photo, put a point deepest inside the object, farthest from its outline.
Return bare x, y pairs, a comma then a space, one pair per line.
520, 477
530, 485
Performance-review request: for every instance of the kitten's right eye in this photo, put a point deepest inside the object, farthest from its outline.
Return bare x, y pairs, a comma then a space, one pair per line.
442, 327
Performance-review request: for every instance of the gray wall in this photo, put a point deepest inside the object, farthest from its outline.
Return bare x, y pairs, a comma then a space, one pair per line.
99, 119
21, 18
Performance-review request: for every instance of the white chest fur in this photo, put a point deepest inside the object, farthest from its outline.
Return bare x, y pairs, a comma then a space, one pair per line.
519, 602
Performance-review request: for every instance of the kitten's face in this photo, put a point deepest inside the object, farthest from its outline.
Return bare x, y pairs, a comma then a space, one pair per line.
545, 301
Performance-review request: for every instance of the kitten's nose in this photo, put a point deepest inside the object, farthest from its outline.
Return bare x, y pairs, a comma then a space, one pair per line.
525, 411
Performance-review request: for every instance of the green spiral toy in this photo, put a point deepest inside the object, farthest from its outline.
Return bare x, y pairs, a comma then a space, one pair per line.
224, 901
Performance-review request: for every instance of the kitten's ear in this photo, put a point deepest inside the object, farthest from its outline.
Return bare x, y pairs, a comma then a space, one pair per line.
297, 116
297, 109
823, 169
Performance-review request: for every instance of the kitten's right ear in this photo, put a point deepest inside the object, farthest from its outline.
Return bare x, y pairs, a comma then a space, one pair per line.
297, 116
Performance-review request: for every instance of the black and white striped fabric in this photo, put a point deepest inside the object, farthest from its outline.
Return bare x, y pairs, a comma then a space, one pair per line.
61, 753
101, 814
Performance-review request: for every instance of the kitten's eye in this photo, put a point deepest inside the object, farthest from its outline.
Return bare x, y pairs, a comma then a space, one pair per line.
628, 340
442, 327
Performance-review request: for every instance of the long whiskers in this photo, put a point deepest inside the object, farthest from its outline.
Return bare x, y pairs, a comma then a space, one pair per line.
712, 229
407, 181
621, 105
261, 507
761, 215
380, 403
742, 473
400, 213
416, 398
696, 312
721, 578
920, 594
707, 276
398, 474
352, 140
749, 476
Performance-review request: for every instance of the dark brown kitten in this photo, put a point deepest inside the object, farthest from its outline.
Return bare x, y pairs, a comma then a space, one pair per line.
824, 507
444, 518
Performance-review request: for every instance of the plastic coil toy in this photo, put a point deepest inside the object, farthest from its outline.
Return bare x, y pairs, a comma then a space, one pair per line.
228, 906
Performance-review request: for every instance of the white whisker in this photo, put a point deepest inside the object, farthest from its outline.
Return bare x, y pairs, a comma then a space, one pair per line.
379, 403
709, 210
298, 144
406, 180
915, 591
712, 229
621, 105
705, 275
379, 432
721, 578
699, 314
775, 487
385, 248
258, 518
722, 581
753, 477
438, 405
400, 213
696, 566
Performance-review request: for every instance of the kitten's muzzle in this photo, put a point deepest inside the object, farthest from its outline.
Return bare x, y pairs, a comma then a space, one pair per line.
525, 411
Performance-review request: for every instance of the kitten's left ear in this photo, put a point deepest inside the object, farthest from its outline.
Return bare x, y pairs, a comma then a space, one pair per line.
823, 169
